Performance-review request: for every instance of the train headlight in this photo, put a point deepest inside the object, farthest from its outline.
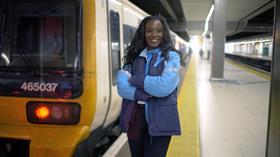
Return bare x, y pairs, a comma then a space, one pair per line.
42, 112
53, 112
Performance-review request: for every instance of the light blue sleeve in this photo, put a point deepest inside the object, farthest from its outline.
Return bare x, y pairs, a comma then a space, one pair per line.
161, 86
125, 89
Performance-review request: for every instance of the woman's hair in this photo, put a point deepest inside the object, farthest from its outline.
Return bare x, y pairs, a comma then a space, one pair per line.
138, 42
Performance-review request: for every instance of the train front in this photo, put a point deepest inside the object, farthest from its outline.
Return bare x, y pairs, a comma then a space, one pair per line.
42, 78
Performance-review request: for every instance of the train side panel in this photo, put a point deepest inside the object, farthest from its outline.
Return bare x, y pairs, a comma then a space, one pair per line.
102, 64
115, 43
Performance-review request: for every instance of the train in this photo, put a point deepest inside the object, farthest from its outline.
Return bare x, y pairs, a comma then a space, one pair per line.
255, 52
58, 66
258, 46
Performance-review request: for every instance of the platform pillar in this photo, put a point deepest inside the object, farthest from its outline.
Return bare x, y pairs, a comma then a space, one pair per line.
273, 134
218, 44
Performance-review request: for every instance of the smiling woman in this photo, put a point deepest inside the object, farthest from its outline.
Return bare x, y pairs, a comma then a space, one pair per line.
148, 85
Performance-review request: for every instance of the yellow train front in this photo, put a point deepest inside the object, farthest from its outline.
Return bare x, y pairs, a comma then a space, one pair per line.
48, 79
58, 66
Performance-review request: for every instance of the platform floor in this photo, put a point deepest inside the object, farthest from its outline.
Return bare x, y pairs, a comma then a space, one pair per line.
233, 111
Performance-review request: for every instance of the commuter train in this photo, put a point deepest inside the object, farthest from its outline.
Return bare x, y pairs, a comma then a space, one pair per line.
58, 66
256, 52
261, 46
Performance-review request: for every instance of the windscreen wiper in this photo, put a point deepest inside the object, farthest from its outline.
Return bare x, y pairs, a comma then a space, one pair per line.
3, 23
3, 29
24, 57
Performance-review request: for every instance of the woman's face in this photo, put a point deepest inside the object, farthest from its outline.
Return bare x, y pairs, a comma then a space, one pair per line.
153, 34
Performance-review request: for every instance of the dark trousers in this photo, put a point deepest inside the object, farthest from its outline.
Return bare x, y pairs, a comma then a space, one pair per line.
141, 143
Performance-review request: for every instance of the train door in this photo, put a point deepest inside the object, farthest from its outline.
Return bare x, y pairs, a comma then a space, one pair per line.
115, 49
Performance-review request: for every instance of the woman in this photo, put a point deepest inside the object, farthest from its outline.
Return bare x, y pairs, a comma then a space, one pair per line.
148, 84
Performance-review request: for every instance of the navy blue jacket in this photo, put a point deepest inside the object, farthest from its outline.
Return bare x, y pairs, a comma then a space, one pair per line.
153, 80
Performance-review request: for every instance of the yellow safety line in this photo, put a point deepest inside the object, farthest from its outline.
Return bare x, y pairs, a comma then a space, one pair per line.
188, 144
250, 70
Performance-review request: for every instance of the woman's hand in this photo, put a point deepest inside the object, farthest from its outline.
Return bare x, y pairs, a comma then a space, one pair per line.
127, 73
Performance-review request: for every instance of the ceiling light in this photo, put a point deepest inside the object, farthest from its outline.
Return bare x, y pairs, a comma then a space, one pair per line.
207, 20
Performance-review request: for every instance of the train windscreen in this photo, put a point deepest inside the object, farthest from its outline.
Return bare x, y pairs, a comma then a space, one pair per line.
41, 34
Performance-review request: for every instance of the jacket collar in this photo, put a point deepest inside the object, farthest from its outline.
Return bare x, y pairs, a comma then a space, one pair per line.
145, 51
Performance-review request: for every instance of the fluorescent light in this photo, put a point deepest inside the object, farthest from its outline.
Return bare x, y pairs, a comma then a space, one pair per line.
207, 20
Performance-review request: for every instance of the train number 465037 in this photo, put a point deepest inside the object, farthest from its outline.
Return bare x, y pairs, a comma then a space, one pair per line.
38, 86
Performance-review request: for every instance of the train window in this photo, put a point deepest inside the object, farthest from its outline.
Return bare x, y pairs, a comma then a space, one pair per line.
41, 35
115, 43
173, 38
128, 33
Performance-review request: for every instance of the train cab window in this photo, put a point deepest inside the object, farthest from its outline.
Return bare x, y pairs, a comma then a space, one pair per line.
43, 34
115, 43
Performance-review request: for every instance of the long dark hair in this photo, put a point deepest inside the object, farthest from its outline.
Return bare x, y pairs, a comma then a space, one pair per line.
138, 42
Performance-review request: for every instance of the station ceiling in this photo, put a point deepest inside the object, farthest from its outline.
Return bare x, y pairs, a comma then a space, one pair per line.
187, 17
171, 9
